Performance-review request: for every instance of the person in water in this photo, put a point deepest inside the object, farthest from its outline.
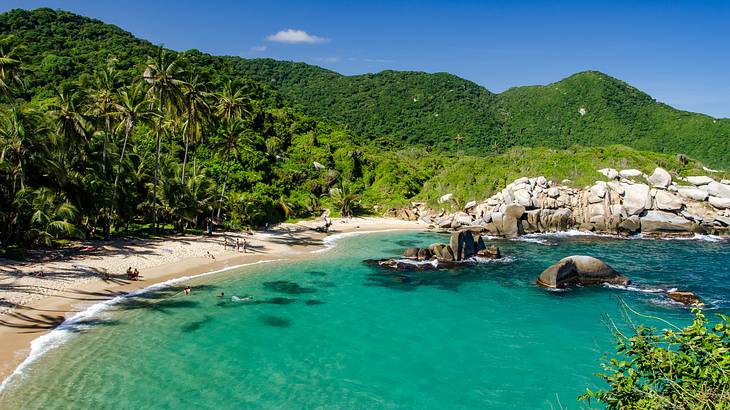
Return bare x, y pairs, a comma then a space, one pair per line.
222, 295
187, 290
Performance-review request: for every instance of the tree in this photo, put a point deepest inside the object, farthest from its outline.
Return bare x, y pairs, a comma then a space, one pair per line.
680, 368
197, 114
132, 107
52, 218
163, 73
235, 136
100, 106
24, 133
11, 65
344, 199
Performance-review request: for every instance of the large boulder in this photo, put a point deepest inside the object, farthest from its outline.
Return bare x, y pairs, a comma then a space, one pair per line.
630, 173
462, 245
699, 180
461, 219
580, 270
660, 178
692, 193
667, 201
609, 173
719, 190
637, 198
720, 203
659, 221
630, 225
522, 197
511, 224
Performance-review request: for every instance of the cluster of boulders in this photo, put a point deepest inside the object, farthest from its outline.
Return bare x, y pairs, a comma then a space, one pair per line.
463, 245
626, 202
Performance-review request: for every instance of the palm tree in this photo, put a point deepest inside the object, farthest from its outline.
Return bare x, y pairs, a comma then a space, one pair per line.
132, 107
163, 73
232, 104
197, 113
23, 137
101, 103
51, 218
233, 135
344, 199
73, 125
11, 65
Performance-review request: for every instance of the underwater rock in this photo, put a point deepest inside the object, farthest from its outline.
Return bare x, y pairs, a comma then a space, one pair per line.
580, 270
290, 288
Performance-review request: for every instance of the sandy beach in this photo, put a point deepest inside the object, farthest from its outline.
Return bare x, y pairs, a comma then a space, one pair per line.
36, 296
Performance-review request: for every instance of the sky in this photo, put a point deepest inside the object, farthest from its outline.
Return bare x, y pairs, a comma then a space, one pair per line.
677, 51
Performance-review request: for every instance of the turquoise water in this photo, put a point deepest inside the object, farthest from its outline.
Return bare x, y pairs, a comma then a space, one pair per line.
333, 332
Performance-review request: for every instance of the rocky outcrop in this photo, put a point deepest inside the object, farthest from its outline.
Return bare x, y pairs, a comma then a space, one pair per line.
580, 270
463, 246
627, 202
685, 297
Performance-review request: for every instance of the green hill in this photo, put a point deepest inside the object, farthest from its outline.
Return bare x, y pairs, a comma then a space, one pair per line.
402, 108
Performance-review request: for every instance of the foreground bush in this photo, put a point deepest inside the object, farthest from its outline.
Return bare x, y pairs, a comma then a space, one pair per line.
677, 368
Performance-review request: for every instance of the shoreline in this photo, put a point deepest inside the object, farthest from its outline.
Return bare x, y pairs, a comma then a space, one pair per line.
23, 324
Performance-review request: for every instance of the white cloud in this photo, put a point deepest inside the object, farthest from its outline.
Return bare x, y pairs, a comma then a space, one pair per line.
259, 49
292, 36
328, 59
377, 60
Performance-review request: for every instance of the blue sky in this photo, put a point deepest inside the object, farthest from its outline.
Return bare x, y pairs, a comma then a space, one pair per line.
677, 51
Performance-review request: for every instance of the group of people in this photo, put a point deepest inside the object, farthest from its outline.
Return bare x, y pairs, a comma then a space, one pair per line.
239, 244
132, 274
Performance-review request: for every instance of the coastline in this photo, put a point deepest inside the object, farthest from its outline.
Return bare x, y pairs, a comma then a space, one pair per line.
47, 307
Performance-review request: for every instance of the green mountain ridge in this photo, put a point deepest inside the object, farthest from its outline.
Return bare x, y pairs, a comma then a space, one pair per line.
405, 108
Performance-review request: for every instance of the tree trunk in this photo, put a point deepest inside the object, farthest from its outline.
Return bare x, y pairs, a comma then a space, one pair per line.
225, 181
185, 157
127, 133
154, 190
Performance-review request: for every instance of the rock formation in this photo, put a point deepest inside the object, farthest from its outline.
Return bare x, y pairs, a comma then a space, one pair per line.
686, 297
627, 202
579, 270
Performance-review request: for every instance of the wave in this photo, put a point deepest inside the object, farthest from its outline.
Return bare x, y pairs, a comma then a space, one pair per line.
502, 260
329, 242
63, 332
695, 237
631, 288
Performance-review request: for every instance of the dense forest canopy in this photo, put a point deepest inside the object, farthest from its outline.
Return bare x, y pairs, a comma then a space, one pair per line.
102, 133
439, 110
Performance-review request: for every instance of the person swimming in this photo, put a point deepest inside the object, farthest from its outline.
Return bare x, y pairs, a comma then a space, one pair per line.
222, 295
241, 299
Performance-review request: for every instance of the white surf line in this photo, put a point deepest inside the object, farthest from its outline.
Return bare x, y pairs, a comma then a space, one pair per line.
329, 241
62, 333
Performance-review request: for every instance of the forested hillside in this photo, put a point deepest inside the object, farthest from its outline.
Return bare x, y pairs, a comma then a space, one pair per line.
102, 133
402, 108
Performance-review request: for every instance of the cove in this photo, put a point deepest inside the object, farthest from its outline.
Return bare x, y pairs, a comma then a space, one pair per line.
334, 332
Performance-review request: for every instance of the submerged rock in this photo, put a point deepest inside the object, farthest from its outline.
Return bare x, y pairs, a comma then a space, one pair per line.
580, 270
686, 297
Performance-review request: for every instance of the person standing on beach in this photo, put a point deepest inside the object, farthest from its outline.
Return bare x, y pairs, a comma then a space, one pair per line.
225, 242
238, 245
245, 245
